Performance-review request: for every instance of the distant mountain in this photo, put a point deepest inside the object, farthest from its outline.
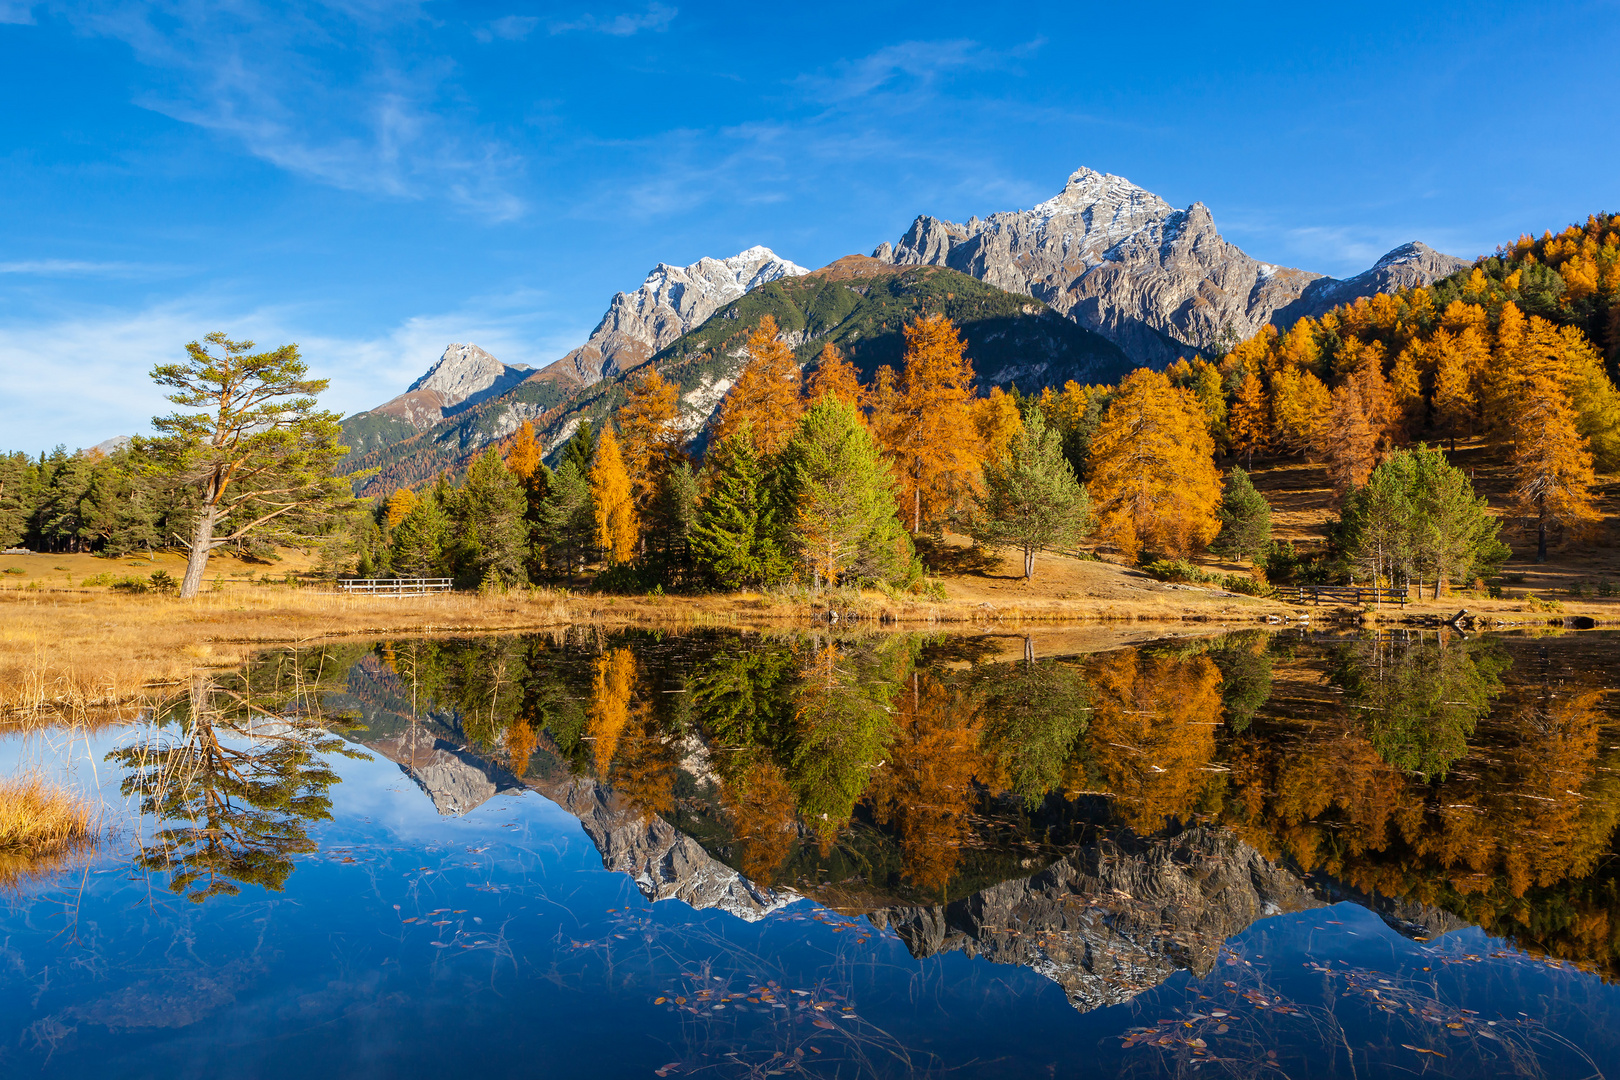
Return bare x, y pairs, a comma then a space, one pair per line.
670, 302
857, 303
1103, 277
461, 378
1158, 282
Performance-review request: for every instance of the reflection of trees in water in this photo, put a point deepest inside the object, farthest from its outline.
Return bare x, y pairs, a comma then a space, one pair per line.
233, 788
1518, 834
1153, 733
925, 789
897, 749
1420, 697
841, 727
1034, 712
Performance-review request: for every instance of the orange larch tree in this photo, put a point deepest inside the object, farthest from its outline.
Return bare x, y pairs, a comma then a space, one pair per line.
1250, 423
924, 419
649, 437
617, 526
1152, 467
836, 376
765, 399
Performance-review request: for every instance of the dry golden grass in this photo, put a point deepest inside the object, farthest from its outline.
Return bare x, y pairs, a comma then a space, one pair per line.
38, 819
79, 650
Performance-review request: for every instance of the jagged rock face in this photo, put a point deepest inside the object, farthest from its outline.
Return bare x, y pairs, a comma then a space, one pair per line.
462, 376
664, 862
1115, 918
672, 300
1157, 281
462, 372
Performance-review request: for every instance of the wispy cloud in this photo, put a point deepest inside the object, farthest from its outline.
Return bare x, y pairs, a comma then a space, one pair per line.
79, 375
655, 17
80, 268
351, 95
17, 12
507, 28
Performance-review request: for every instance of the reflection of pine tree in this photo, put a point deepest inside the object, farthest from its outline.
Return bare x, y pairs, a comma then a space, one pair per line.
1034, 714
1420, 698
234, 799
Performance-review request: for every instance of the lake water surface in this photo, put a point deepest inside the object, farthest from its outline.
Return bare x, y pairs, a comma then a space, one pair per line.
722, 854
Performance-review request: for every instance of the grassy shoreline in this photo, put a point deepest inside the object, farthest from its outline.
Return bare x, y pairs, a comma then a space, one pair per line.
75, 649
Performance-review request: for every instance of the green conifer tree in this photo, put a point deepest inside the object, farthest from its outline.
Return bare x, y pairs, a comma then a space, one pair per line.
490, 524
842, 494
419, 541
1245, 519
1031, 499
736, 537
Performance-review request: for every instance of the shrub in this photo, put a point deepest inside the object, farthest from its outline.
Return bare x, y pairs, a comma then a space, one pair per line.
132, 585
163, 582
99, 580
1178, 570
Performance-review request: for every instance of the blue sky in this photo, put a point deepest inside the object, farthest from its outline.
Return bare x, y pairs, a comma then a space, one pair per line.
375, 179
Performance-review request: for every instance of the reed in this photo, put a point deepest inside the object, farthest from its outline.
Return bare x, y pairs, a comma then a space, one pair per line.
40, 824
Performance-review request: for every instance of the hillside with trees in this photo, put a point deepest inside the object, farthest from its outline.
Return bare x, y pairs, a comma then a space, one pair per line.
856, 304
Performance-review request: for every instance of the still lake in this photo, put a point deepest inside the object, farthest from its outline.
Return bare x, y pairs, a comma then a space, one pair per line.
726, 854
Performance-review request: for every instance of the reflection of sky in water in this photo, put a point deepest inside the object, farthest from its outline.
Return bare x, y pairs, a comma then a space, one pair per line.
523, 955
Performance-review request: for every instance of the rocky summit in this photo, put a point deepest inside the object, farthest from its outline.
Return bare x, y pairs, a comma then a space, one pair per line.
1157, 281
462, 377
673, 300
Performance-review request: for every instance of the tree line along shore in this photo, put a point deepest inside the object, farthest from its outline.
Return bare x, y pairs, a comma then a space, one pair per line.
811, 484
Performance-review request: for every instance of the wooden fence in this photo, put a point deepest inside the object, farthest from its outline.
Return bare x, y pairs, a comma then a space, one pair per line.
1353, 594
404, 586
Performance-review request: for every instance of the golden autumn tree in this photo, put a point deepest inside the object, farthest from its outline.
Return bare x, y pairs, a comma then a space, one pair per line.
400, 504
835, 376
1455, 396
1250, 419
523, 460
1348, 439
924, 419
613, 499
1553, 471
1152, 466
765, 399
650, 440
1299, 408
998, 422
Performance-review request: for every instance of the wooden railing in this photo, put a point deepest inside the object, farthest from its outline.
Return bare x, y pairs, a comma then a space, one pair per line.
402, 586
1354, 594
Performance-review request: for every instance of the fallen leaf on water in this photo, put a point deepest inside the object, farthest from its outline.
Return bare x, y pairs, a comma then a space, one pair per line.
659, 1001
1423, 1050
822, 1022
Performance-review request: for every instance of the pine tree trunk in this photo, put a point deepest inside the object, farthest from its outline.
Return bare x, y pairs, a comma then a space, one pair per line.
202, 542
1029, 563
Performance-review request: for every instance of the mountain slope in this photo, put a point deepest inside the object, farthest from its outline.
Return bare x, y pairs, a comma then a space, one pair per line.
857, 303
1157, 281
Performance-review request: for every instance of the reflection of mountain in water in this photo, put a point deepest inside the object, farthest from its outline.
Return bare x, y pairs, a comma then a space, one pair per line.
431, 749
665, 862
1115, 917
455, 779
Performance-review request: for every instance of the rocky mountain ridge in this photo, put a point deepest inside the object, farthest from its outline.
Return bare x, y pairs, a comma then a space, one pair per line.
1158, 282
671, 301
